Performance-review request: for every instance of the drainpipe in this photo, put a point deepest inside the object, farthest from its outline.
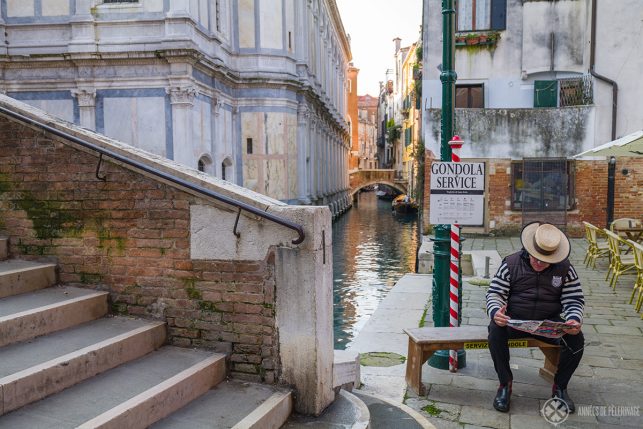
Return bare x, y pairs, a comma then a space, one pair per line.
592, 65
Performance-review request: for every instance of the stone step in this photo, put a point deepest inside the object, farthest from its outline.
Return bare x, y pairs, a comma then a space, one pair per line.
133, 395
18, 276
233, 404
32, 314
32, 370
4, 248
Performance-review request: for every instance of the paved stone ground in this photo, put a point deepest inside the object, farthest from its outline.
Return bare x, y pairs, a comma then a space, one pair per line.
610, 374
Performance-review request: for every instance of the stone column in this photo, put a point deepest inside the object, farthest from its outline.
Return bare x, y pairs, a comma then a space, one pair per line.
302, 143
182, 101
335, 163
320, 159
325, 161
3, 37
179, 8
83, 34
87, 106
304, 315
312, 160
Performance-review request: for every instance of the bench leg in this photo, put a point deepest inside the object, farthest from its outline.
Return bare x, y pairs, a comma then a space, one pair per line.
548, 371
415, 360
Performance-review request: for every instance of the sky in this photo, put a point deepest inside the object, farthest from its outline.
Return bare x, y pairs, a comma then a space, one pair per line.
372, 26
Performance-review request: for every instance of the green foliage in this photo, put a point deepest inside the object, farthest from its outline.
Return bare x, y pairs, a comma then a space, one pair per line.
381, 359
49, 218
432, 410
90, 278
423, 319
191, 290
419, 156
393, 131
119, 308
208, 306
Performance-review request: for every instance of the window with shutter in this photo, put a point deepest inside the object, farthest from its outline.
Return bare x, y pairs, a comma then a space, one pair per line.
475, 15
546, 93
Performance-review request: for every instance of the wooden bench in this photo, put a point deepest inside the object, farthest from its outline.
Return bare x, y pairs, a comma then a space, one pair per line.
423, 342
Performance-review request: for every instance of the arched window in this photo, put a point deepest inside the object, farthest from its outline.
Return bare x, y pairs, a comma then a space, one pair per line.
205, 164
226, 169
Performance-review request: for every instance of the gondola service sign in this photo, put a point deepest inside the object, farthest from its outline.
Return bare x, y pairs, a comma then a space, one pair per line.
457, 193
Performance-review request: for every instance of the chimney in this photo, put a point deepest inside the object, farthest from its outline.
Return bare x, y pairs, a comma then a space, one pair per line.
398, 43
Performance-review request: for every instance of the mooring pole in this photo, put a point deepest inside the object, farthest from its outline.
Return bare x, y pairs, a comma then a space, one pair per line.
442, 240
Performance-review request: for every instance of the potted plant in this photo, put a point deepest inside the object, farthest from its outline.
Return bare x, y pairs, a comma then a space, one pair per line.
459, 39
492, 38
473, 39
483, 38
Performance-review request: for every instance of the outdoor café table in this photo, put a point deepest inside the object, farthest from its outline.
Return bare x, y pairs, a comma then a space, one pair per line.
634, 233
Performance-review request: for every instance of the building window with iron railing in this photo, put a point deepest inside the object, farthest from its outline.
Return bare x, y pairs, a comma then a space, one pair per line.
551, 186
120, 1
574, 91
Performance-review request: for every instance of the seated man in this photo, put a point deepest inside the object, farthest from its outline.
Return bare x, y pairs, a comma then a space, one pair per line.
536, 283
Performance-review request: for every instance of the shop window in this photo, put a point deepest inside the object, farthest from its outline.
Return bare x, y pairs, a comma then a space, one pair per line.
547, 185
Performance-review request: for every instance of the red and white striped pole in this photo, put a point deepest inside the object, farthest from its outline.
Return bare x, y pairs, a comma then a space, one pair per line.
455, 143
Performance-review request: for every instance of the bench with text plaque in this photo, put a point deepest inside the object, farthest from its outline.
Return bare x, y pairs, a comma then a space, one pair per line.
423, 342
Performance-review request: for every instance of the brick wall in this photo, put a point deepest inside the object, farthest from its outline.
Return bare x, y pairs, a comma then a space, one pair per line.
591, 195
130, 235
628, 201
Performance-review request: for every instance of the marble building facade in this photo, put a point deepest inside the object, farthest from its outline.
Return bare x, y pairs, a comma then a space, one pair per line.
250, 91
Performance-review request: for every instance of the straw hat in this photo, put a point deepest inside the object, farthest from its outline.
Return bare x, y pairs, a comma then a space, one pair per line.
545, 242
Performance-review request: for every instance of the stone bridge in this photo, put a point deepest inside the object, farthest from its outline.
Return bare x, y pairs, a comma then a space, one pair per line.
359, 179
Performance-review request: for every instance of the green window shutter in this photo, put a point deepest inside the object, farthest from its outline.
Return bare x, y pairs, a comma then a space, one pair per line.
546, 93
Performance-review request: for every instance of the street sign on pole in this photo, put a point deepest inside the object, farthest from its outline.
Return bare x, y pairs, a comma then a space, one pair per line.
457, 193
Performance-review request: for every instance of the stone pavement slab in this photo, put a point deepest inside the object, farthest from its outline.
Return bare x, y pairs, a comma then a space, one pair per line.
402, 307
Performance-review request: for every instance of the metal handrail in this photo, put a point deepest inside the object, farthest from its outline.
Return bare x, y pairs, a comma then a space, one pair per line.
165, 176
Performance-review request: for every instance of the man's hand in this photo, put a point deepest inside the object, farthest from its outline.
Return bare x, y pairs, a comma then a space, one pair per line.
574, 327
500, 318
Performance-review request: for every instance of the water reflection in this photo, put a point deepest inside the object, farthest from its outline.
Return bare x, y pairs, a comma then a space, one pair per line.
372, 249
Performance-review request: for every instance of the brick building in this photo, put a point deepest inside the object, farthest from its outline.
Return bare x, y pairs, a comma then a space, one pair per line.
588, 197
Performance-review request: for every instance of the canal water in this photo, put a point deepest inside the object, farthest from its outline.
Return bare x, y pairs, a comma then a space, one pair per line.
373, 248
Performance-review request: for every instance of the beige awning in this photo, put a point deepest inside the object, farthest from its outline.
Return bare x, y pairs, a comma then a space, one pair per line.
630, 145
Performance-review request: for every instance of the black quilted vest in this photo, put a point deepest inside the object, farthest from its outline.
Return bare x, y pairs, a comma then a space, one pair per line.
534, 295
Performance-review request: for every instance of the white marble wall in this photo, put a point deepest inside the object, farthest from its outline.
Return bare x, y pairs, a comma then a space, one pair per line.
135, 120
287, 56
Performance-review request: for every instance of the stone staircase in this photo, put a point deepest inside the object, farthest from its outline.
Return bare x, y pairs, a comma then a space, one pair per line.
65, 363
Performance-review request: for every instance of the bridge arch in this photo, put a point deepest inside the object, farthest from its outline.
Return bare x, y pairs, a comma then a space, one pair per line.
396, 186
361, 178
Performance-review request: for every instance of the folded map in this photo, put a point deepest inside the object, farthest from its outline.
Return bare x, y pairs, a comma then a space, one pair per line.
543, 328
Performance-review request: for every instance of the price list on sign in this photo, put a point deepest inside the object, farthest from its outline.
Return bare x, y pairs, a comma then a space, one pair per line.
457, 193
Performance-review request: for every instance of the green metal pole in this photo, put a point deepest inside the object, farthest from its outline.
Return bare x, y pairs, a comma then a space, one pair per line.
442, 240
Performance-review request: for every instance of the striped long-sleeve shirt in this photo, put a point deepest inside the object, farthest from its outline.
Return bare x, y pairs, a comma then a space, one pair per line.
571, 299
